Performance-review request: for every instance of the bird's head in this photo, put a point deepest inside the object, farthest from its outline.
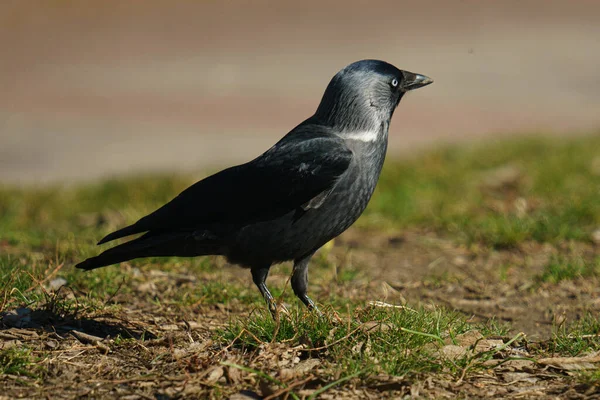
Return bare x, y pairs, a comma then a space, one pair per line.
364, 95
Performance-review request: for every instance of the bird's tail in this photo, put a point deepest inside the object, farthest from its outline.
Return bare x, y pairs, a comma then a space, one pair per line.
106, 258
164, 245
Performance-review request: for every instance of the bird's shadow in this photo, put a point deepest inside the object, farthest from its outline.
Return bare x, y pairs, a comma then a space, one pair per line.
60, 317
44, 319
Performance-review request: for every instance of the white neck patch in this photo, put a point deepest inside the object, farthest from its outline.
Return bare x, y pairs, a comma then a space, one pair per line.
363, 136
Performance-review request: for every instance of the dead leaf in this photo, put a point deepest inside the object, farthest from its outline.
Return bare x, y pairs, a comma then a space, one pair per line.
214, 375
572, 363
488, 344
374, 326
234, 375
305, 366
466, 339
245, 395
170, 327
453, 352
147, 287
8, 344
56, 284
518, 365
193, 325
519, 377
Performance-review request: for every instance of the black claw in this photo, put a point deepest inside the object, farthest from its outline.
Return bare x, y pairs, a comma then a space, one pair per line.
269, 299
311, 305
259, 276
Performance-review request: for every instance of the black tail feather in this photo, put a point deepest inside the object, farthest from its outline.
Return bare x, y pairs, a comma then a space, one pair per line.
135, 248
164, 245
128, 230
103, 260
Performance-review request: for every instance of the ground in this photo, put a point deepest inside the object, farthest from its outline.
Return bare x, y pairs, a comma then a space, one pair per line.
473, 274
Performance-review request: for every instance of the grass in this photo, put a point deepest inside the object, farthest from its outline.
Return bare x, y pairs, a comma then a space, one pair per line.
562, 268
393, 341
482, 199
577, 338
497, 195
20, 362
370, 343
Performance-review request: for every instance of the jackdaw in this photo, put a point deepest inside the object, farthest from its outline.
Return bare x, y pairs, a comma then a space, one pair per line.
287, 203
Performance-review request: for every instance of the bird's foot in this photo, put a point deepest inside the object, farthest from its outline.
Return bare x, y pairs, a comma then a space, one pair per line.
311, 305
316, 310
277, 309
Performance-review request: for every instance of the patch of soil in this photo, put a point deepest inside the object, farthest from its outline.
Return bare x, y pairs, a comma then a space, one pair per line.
500, 284
150, 349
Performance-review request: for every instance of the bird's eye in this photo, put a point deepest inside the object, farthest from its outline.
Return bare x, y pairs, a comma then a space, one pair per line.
395, 82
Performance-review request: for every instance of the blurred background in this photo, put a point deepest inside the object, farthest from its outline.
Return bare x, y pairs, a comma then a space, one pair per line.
105, 88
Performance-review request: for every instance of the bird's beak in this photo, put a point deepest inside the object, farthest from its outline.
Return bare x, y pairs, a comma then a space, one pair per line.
414, 81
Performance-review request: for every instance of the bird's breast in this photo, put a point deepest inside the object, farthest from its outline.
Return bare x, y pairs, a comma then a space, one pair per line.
301, 231
349, 197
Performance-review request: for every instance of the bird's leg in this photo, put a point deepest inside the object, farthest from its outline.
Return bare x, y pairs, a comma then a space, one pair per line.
259, 276
300, 281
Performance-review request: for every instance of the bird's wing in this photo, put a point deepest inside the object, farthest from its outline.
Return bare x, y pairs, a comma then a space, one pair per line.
290, 175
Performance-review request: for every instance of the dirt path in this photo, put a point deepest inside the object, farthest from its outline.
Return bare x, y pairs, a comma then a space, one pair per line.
89, 92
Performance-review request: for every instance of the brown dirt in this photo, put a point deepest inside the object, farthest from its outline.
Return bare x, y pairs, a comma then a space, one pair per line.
498, 284
173, 353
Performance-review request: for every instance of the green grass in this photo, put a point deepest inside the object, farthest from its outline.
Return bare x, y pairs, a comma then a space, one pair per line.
569, 268
19, 361
393, 341
577, 338
449, 190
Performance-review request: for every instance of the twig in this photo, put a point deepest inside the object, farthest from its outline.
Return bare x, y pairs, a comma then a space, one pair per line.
48, 277
592, 335
244, 330
332, 384
387, 305
86, 338
115, 293
261, 374
288, 388
94, 340
223, 350
336, 342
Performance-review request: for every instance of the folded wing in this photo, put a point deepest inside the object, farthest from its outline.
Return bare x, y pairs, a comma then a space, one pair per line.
303, 166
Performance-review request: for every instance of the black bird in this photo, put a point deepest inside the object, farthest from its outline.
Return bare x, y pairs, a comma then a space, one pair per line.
287, 203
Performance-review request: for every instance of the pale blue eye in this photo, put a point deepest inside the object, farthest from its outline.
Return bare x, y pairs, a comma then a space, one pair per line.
395, 82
